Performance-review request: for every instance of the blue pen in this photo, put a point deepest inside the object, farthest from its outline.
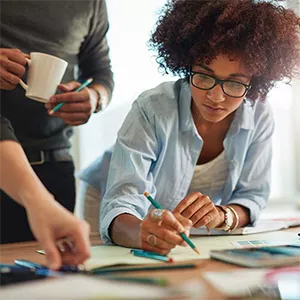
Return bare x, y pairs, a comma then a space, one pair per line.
31, 265
8, 268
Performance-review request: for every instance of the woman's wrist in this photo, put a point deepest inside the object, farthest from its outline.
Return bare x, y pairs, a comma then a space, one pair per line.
221, 215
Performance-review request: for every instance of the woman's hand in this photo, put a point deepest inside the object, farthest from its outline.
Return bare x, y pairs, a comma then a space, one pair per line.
159, 232
12, 67
200, 210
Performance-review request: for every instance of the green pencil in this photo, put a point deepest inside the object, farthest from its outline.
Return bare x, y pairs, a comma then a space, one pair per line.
182, 234
81, 87
108, 270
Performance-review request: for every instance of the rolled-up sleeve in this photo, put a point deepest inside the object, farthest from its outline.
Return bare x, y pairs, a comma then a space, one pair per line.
129, 173
253, 187
7, 131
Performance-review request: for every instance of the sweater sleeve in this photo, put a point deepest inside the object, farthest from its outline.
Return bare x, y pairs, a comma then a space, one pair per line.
7, 131
94, 58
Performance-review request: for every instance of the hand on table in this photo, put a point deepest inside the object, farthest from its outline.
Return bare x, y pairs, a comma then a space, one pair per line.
12, 67
159, 231
200, 210
78, 106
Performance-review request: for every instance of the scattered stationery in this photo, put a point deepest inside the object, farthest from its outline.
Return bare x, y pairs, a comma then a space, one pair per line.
272, 256
261, 243
182, 234
13, 274
81, 87
32, 265
122, 269
262, 225
151, 255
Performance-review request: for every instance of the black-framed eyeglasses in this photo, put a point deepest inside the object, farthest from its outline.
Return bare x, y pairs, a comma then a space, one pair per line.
231, 88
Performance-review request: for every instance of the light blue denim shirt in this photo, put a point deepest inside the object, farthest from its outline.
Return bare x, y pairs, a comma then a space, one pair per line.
158, 147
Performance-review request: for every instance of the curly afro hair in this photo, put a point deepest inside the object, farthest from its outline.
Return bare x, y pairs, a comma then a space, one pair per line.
264, 32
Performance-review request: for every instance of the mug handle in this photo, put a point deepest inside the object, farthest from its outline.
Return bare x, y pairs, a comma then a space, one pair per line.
22, 83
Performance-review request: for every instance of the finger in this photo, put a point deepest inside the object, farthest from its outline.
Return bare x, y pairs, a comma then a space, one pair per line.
187, 202
12, 67
9, 77
82, 242
145, 246
84, 107
189, 211
208, 207
4, 85
53, 255
14, 55
160, 240
170, 237
82, 96
69, 86
71, 118
170, 220
186, 223
206, 219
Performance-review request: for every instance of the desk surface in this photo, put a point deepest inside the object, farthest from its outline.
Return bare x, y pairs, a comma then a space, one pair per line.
26, 250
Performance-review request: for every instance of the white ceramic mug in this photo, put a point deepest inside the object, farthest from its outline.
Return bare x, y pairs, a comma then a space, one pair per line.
45, 73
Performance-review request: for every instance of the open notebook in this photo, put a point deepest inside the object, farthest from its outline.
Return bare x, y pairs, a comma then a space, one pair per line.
263, 225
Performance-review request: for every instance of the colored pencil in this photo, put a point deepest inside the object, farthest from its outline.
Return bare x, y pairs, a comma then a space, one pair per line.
107, 270
81, 87
151, 255
182, 234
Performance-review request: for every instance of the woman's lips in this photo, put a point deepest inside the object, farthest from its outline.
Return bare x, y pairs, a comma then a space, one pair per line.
213, 108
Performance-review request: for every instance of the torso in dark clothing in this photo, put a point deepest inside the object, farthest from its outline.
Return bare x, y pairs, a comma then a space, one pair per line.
58, 28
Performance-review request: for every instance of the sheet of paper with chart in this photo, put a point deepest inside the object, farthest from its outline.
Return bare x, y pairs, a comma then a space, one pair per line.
102, 256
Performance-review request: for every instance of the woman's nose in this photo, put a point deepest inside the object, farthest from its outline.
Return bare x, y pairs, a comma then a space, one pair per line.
216, 94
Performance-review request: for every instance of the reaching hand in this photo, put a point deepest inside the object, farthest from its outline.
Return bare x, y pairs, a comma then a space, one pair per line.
159, 232
12, 67
200, 210
51, 222
78, 106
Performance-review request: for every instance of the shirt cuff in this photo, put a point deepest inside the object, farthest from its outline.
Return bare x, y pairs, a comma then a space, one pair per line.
253, 207
109, 217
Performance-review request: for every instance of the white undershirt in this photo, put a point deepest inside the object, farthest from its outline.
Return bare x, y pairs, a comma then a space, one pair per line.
209, 178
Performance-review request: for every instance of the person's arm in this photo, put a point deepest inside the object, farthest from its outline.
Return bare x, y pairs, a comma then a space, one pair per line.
21, 183
94, 60
128, 178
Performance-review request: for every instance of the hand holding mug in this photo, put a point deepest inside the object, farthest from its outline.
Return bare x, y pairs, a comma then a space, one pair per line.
200, 210
159, 231
12, 67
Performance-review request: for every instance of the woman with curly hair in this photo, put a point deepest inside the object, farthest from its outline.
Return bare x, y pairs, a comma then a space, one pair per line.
201, 145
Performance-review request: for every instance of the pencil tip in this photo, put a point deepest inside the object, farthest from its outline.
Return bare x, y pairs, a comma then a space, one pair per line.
197, 251
171, 260
51, 112
146, 194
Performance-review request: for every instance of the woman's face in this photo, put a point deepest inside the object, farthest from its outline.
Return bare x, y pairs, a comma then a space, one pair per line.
214, 105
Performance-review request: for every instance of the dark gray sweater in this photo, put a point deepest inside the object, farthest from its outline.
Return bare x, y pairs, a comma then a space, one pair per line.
72, 30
